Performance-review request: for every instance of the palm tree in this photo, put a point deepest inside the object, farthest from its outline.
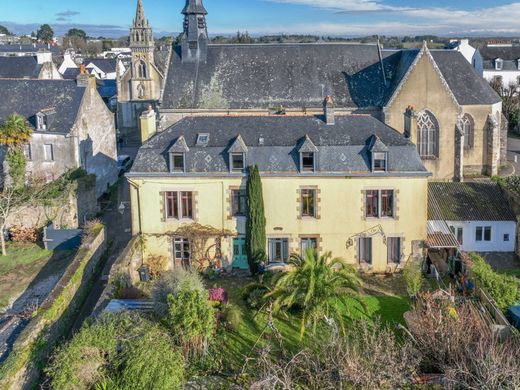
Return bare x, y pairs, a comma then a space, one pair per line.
320, 285
15, 131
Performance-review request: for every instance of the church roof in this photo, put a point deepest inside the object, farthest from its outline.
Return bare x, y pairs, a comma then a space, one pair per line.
300, 75
19, 67
29, 97
273, 144
194, 7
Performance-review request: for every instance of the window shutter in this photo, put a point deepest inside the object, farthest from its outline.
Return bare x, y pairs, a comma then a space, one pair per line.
161, 206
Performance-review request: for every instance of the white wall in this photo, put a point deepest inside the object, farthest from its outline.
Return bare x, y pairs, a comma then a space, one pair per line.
497, 243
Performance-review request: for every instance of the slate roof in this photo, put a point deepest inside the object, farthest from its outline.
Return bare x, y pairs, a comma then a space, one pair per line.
504, 52
13, 48
107, 65
342, 148
19, 67
71, 73
267, 75
301, 75
28, 97
468, 202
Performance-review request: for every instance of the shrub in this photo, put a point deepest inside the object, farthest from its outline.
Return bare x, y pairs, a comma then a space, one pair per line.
232, 316
218, 295
156, 265
169, 283
121, 281
254, 295
504, 289
118, 351
191, 319
413, 277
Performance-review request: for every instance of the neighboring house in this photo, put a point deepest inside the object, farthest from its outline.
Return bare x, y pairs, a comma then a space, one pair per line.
501, 60
27, 50
102, 68
68, 63
471, 54
433, 96
39, 66
478, 215
72, 127
342, 183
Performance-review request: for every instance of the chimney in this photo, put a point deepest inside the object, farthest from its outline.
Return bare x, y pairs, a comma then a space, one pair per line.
43, 56
328, 110
148, 122
83, 78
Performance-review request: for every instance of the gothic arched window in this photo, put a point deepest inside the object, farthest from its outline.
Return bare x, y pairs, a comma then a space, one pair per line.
467, 126
427, 135
142, 70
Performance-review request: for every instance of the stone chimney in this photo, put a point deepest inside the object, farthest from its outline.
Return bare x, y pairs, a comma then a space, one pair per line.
43, 56
148, 122
83, 78
328, 110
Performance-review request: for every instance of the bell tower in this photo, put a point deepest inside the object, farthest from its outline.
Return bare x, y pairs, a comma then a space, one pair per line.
142, 46
195, 37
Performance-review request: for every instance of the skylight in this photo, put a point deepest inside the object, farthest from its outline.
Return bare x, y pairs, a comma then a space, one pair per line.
202, 139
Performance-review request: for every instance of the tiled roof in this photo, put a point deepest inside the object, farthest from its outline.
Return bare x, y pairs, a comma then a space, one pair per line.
28, 97
19, 67
468, 202
107, 65
273, 143
440, 235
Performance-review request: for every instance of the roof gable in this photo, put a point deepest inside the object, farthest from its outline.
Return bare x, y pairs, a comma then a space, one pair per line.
307, 146
238, 145
376, 145
179, 146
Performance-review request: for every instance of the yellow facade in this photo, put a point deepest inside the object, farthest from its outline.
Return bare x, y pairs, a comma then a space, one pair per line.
340, 213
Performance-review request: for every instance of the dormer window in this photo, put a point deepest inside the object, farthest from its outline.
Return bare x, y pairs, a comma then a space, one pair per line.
237, 162
379, 162
307, 161
177, 162
499, 64
202, 139
41, 121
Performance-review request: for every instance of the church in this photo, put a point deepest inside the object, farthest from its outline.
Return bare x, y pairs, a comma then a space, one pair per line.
432, 97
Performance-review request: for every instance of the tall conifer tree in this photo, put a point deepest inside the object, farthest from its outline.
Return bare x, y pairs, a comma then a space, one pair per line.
255, 227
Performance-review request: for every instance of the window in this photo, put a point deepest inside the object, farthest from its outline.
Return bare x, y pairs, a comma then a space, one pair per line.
177, 160
27, 152
278, 250
41, 122
427, 135
379, 162
394, 250
307, 162
141, 70
179, 205
182, 252
499, 64
483, 233
308, 243
379, 203
48, 152
372, 204
506, 237
467, 127
238, 202
365, 250
308, 202
237, 162
202, 139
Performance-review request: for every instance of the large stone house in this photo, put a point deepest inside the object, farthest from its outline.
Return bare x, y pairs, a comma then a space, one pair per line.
501, 60
434, 97
345, 183
72, 127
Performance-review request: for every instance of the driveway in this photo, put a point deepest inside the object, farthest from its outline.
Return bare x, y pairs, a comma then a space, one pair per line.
513, 150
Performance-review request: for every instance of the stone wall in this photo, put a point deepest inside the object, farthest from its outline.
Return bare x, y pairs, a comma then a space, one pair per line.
22, 369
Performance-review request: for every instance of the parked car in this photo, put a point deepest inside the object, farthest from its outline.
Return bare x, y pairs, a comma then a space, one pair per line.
124, 163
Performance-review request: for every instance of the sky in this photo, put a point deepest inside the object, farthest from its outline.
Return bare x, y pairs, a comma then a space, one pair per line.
112, 18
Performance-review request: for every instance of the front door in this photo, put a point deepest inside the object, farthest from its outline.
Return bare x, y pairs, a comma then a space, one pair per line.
239, 253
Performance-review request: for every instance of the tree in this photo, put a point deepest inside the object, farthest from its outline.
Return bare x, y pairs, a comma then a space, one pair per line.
510, 99
4, 30
45, 33
15, 131
76, 33
320, 285
413, 277
255, 225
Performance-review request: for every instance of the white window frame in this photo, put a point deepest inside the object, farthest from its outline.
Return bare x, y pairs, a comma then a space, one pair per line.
46, 154
232, 162
174, 169
302, 168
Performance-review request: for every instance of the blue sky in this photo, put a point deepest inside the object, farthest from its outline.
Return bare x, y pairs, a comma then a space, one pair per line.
325, 17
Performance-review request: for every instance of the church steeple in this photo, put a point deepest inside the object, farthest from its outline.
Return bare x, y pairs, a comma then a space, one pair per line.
140, 20
195, 38
141, 35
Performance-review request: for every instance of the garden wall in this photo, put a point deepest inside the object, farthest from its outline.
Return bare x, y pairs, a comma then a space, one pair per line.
53, 320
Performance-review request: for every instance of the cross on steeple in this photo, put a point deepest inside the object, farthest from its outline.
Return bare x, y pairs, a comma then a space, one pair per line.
195, 38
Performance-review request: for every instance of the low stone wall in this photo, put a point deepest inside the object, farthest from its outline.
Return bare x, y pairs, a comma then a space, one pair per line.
53, 320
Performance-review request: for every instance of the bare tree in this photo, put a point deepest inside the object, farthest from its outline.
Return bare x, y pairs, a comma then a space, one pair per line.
12, 200
510, 98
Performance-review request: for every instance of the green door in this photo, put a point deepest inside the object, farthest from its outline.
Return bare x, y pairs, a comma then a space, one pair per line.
239, 253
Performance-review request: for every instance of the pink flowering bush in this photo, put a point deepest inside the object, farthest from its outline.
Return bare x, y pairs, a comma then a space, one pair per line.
218, 295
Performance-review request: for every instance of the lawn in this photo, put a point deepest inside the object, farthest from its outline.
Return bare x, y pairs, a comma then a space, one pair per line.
382, 298
25, 265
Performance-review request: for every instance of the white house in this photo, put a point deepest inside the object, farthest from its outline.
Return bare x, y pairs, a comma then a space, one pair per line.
478, 215
501, 60
471, 54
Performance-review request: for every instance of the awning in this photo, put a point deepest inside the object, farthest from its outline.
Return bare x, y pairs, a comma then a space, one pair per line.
440, 236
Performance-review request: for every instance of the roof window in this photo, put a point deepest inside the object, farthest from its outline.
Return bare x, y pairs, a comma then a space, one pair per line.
202, 139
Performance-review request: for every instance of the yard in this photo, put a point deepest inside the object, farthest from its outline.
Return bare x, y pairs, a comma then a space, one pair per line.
383, 297
28, 272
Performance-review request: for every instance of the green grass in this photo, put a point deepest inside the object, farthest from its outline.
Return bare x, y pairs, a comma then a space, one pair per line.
19, 254
512, 272
254, 330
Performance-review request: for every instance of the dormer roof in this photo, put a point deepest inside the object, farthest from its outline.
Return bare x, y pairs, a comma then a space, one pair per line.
376, 145
238, 145
179, 146
307, 146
